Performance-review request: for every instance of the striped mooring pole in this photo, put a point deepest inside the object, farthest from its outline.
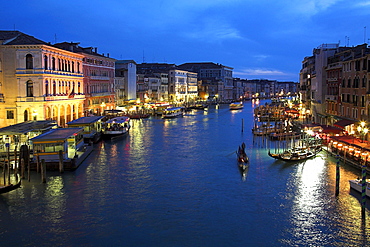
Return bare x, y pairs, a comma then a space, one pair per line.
337, 177
363, 199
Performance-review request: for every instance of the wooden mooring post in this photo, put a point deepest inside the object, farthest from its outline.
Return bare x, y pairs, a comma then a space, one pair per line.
61, 163
16, 163
8, 155
28, 164
22, 168
337, 177
363, 194
43, 171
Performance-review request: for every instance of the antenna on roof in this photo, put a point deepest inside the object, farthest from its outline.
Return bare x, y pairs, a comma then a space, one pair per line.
143, 57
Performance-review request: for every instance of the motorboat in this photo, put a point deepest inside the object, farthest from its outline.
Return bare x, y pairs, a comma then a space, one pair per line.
172, 112
236, 105
116, 126
356, 184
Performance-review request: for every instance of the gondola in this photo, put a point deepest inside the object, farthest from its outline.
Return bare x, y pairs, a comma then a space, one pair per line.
296, 154
10, 187
242, 157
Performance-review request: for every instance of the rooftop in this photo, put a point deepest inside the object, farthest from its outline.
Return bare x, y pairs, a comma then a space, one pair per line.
86, 120
58, 134
26, 127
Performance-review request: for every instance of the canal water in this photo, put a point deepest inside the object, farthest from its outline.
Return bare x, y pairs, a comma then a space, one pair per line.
175, 182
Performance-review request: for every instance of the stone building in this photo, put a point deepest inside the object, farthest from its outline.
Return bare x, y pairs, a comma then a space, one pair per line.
216, 80
38, 81
98, 78
125, 82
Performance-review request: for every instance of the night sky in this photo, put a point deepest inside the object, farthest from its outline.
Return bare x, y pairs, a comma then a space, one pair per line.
260, 39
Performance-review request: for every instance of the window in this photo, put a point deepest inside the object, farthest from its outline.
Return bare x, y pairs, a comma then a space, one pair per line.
45, 62
25, 115
29, 85
363, 100
53, 63
10, 114
46, 87
364, 81
29, 61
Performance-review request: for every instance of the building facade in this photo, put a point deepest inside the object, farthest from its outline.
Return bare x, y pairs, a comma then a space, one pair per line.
125, 82
38, 81
216, 79
99, 73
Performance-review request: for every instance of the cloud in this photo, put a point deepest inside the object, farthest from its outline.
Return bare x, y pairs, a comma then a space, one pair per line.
363, 4
260, 72
310, 7
212, 31
261, 57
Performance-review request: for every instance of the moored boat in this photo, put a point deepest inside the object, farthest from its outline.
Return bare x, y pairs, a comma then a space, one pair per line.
296, 154
356, 184
10, 187
116, 127
172, 112
236, 105
199, 107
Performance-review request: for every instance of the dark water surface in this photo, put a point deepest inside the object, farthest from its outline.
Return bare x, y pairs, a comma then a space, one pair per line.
175, 182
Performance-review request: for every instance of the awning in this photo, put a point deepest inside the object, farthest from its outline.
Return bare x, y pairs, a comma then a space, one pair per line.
343, 123
331, 130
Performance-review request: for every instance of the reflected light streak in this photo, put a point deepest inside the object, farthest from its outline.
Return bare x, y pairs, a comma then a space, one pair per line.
55, 200
308, 202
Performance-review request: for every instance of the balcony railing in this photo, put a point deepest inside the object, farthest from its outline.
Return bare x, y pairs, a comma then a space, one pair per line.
50, 98
100, 78
331, 97
46, 72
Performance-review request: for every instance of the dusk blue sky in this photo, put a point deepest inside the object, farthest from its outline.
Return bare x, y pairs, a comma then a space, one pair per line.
260, 39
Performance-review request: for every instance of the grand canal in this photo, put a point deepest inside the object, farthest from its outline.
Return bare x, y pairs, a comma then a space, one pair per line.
175, 182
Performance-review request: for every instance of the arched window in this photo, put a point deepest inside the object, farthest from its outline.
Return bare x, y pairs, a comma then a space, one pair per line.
46, 88
29, 61
73, 67
78, 67
45, 62
53, 63
54, 88
29, 88
25, 115
78, 88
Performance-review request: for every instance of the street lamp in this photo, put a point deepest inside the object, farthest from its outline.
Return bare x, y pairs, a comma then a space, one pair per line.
102, 107
362, 130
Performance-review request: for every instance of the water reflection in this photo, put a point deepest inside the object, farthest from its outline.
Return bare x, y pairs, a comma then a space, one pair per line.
312, 189
176, 183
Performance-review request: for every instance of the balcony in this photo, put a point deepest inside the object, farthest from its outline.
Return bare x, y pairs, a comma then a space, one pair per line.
100, 78
331, 97
50, 98
46, 72
102, 94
